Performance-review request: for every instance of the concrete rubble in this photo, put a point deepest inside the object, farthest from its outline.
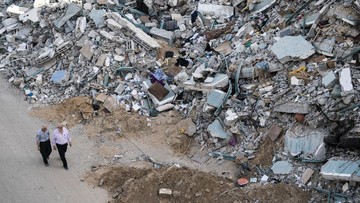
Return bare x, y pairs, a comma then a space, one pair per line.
239, 72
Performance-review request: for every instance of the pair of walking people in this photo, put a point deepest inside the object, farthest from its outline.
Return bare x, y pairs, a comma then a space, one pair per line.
60, 140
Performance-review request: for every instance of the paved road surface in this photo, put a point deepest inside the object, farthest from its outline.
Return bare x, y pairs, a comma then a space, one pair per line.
23, 176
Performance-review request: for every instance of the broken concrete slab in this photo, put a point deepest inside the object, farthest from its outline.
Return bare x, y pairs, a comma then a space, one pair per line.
307, 175
346, 170
293, 108
326, 46
215, 98
292, 48
101, 97
329, 80
216, 10
71, 11
262, 5
216, 130
281, 168
219, 81
98, 17
304, 141
162, 34
345, 80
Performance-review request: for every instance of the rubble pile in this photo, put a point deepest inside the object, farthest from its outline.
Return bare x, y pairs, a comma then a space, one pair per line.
248, 70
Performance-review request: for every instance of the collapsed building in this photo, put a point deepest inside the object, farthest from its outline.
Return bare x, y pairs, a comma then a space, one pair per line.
248, 70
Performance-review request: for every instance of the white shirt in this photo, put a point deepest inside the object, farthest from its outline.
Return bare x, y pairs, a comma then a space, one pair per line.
61, 138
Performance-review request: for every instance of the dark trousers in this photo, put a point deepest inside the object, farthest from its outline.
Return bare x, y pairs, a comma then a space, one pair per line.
62, 149
45, 150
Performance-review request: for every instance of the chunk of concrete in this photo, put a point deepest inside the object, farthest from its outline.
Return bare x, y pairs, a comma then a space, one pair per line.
215, 98
71, 11
111, 103
59, 76
302, 140
345, 170
216, 10
293, 108
32, 15
98, 17
165, 191
345, 80
281, 168
230, 118
274, 132
329, 80
165, 107
188, 126
80, 26
16, 10
292, 48
87, 50
326, 46
307, 175
101, 97
216, 130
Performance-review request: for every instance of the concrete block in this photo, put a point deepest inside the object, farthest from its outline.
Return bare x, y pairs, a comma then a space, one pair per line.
165, 191
346, 170
307, 175
101, 60
281, 168
292, 48
162, 34
120, 89
326, 47
295, 81
329, 80
165, 107
119, 58
216, 10
345, 80
216, 130
274, 132
302, 140
215, 98
293, 108
71, 11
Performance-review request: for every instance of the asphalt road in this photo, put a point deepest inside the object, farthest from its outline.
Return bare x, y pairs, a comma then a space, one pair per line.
23, 176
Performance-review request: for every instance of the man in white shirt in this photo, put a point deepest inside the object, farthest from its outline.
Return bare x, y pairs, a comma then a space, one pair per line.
61, 139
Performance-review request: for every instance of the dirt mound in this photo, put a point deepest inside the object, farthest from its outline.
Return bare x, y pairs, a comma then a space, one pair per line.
129, 184
72, 111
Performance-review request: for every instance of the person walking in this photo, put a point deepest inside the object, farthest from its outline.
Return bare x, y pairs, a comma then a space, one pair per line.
61, 139
43, 143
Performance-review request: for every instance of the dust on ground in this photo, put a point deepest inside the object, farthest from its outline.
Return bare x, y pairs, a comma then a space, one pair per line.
129, 184
122, 139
